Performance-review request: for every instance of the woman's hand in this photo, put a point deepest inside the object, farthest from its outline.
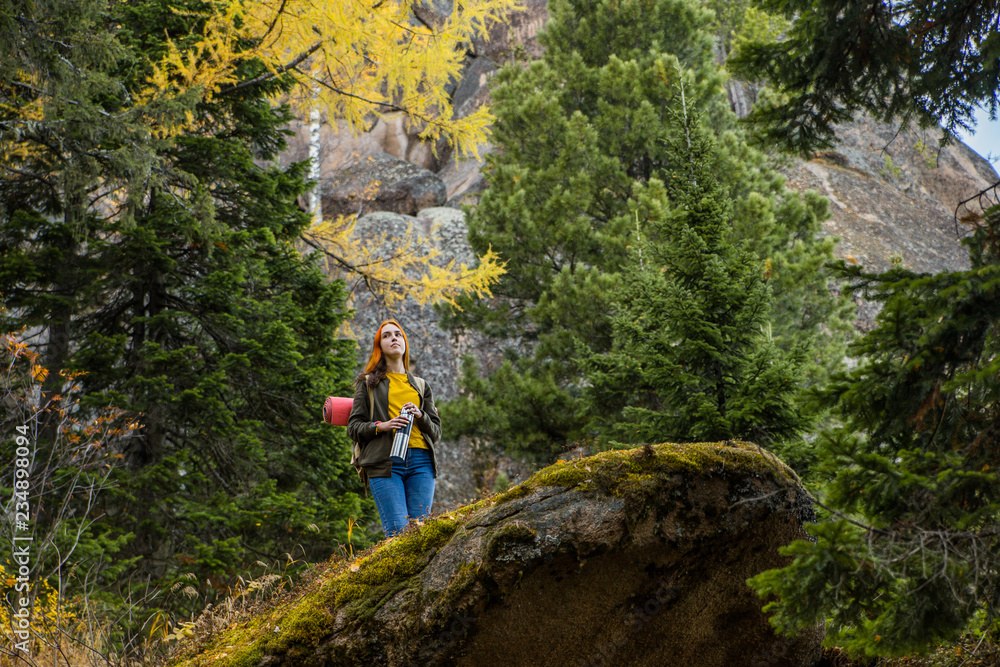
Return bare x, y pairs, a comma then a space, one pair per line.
414, 410
392, 424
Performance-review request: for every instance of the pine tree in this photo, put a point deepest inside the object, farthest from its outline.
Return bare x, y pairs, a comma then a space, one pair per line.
908, 554
574, 132
691, 360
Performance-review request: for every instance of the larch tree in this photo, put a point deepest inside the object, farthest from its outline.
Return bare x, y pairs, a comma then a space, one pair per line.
148, 244
354, 60
401, 267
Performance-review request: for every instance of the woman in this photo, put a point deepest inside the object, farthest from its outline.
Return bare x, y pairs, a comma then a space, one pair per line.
403, 488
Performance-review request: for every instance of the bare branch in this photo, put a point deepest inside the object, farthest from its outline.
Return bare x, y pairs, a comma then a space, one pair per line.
276, 73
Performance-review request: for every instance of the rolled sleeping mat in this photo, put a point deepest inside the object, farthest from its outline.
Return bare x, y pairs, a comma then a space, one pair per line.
337, 410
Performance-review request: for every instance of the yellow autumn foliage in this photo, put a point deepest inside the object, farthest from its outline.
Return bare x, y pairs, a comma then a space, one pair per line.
391, 269
352, 58
50, 615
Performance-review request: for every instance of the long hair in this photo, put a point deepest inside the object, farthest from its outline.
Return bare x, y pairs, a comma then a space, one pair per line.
375, 369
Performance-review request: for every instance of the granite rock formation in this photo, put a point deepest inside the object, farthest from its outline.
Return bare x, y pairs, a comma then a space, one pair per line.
893, 194
633, 558
434, 355
381, 182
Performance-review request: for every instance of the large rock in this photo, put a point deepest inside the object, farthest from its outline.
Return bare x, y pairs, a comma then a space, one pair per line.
381, 183
433, 12
340, 147
625, 558
893, 194
463, 178
472, 91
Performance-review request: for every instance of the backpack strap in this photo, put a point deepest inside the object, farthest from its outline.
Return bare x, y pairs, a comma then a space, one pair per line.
371, 400
356, 450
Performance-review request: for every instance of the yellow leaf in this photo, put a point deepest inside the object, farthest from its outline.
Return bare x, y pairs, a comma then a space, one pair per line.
390, 270
349, 57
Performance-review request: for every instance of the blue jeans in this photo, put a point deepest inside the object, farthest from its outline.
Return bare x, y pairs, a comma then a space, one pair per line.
407, 494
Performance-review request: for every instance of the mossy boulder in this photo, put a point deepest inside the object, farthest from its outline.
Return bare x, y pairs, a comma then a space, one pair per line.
635, 557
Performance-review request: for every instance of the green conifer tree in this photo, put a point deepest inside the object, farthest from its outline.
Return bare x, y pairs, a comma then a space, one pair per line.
929, 62
907, 556
164, 269
691, 358
574, 131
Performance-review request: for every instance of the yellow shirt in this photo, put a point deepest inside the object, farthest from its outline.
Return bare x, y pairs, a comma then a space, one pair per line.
400, 392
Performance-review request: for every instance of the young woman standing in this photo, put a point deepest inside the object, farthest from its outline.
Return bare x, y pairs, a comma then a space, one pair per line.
403, 487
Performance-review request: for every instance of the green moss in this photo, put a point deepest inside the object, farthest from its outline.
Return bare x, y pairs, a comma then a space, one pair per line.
364, 587
636, 475
466, 576
401, 558
305, 624
248, 658
239, 646
625, 472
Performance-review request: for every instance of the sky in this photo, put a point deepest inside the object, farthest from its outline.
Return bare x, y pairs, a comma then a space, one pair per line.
986, 140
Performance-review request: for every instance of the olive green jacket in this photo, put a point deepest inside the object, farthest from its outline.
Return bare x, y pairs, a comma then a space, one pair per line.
375, 448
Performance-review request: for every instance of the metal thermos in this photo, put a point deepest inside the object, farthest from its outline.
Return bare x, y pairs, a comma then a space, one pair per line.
401, 439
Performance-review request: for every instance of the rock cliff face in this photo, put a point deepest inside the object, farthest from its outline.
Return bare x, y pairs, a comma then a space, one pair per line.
381, 182
892, 195
625, 558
